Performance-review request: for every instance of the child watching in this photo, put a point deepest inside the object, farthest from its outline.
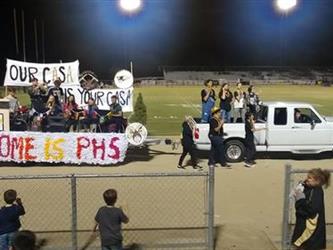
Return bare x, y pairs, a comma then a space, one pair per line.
108, 220
10, 218
310, 228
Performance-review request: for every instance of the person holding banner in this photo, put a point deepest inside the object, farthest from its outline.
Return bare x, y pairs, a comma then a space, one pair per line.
57, 92
37, 93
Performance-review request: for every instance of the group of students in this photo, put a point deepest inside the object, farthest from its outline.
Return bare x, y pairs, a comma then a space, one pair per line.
50, 102
242, 105
233, 106
108, 221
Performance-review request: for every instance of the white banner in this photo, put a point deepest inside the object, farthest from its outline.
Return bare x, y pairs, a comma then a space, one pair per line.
102, 97
77, 148
21, 73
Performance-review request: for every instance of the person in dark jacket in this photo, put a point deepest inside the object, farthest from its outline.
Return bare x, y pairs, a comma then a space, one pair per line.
215, 134
310, 228
250, 147
10, 218
226, 100
188, 145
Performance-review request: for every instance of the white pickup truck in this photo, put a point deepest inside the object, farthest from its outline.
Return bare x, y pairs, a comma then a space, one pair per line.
311, 136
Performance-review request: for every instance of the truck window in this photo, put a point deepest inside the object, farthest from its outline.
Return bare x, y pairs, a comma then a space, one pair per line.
280, 116
305, 115
262, 114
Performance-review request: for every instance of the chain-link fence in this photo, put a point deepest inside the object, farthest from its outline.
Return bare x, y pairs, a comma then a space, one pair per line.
292, 178
166, 211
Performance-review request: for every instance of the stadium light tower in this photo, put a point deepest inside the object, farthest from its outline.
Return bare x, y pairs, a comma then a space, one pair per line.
130, 6
286, 5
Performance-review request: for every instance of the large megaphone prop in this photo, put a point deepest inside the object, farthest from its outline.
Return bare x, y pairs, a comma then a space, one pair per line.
136, 134
123, 79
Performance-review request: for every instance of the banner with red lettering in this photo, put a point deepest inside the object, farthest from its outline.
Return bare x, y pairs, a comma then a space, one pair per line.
21, 73
77, 148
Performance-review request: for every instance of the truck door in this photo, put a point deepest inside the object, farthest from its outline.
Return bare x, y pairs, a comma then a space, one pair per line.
278, 134
308, 129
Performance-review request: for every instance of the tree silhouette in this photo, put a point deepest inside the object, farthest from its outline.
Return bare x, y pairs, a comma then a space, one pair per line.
140, 111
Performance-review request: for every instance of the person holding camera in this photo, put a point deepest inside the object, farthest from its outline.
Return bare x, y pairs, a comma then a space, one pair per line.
208, 101
10, 218
310, 228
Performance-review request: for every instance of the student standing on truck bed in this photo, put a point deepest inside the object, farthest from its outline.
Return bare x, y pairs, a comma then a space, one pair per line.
216, 154
250, 147
208, 100
226, 99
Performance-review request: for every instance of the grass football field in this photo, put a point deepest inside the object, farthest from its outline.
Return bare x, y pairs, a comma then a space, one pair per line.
167, 106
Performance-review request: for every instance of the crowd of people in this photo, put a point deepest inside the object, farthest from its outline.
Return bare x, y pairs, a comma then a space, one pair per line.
108, 222
50, 103
237, 107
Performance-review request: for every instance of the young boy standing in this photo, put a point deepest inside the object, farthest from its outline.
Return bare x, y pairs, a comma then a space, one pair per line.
10, 218
108, 220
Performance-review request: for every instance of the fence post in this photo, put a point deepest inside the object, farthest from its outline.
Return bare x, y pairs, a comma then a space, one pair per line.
286, 205
74, 212
211, 184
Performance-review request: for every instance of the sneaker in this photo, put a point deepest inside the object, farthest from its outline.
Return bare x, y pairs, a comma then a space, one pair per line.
249, 165
197, 167
226, 165
181, 167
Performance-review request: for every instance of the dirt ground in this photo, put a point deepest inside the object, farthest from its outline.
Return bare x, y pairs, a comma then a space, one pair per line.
248, 202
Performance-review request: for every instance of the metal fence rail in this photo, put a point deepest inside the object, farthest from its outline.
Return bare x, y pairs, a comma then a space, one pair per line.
292, 177
166, 210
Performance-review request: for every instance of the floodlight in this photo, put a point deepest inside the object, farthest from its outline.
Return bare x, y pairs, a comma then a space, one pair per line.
286, 5
130, 6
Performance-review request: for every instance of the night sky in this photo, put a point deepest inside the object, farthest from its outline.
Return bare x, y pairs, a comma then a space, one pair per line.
171, 32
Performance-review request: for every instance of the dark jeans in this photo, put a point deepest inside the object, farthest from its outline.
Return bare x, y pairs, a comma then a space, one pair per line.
216, 154
188, 149
89, 121
250, 151
69, 123
6, 240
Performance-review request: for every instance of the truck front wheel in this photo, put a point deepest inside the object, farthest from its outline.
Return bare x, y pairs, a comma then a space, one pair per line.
234, 151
